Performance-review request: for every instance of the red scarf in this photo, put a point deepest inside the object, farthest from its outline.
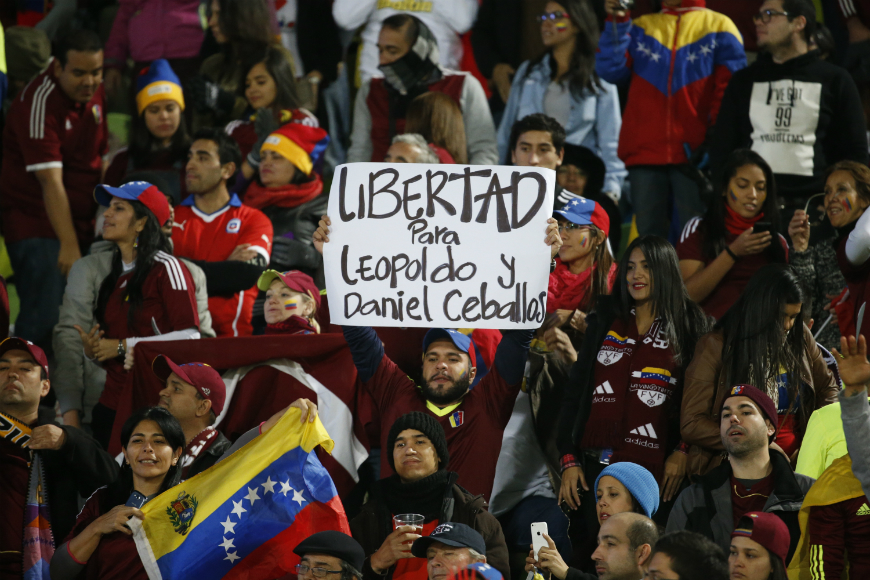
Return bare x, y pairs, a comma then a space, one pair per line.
634, 391
196, 446
258, 196
569, 291
293, 325
736, 223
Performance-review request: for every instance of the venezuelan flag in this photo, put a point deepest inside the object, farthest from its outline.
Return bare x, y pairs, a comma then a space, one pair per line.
614, 338
653, 374
242, 517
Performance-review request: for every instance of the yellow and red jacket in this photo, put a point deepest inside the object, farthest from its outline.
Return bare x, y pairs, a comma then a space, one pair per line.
679, 62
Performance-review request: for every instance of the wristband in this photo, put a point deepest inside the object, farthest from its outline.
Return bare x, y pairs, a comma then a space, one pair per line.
730, 253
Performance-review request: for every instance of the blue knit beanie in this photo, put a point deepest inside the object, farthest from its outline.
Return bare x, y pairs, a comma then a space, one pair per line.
639, 482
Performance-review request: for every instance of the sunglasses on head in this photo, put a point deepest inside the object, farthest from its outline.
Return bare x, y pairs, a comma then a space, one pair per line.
553, 16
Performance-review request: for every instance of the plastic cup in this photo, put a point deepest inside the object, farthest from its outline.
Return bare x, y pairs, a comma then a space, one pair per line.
413, 520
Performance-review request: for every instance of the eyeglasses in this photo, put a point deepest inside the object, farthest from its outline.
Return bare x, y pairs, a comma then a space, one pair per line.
553, 16
572, 227
765, 15
302, 569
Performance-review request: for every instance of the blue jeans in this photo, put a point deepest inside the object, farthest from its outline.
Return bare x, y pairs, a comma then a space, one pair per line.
653, 187
40, 288
517, 524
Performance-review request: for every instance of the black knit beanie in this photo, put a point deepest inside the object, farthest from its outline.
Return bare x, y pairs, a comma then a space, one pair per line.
426, 425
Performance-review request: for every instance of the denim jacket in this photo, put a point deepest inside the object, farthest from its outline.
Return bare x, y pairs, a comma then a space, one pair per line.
594, 123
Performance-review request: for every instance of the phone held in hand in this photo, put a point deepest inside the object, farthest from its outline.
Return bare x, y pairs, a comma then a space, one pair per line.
538, 541
136, 500
760, 227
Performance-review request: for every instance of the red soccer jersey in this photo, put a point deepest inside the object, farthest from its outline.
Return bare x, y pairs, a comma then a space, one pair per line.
45, 129
213, 237
168, 304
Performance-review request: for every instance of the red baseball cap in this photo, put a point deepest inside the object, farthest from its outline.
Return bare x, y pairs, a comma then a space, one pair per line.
293, 279
15, 343
206, 380
766, 529
140, 191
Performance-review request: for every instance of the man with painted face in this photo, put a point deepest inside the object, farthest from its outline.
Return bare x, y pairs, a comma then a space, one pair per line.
754, 479
33, 448
409, 60
418, 454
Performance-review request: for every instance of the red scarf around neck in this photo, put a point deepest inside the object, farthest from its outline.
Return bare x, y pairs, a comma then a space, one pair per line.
569, 291
635, 388
258, 196
736, 223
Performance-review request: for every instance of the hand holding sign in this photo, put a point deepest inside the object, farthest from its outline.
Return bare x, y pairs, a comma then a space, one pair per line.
431, 245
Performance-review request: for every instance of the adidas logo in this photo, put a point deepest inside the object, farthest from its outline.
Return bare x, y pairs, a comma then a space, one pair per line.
864, 511
605, 389
645, 431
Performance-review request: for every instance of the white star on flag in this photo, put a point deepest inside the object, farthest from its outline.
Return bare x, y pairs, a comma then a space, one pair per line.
705, 49
227, 544
692, 57
229, 526
655, 56
269, 486
285, 487
252, 495
238, 509
713, 43
297, 497
231, 556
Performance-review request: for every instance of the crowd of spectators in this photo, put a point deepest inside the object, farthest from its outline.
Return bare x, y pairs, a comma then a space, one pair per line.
693, 406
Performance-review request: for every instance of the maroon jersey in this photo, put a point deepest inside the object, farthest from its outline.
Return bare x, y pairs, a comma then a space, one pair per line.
116, 557
47, 129
753, 499
851, 8
169, 304
729, 289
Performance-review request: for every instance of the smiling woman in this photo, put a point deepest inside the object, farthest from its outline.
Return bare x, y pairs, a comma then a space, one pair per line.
100, 544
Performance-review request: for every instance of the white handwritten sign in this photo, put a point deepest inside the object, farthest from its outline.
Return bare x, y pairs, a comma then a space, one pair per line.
455, 246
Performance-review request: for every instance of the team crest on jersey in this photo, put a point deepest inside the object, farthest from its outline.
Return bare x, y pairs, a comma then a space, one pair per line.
98, 113
652, 385
234, 226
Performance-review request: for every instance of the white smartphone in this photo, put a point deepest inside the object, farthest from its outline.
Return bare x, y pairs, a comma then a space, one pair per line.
538, 541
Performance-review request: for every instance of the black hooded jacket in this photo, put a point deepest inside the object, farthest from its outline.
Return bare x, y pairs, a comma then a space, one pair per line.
802, 116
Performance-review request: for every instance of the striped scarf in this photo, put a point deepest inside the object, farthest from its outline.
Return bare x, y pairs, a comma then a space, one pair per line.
38, 544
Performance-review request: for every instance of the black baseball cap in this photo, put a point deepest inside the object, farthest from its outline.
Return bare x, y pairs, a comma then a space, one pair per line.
450, 534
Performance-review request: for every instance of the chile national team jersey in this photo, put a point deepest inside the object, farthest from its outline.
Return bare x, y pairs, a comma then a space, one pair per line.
213, 237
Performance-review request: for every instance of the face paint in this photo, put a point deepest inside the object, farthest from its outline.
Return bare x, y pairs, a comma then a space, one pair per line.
291, 304
847, 205
584, 242
561, 26
731, 193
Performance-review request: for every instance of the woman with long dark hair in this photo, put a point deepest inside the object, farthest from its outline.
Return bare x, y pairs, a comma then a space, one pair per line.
148, 295
243, 30
759, 548
562, 83
720, 252
159, 141
761, 341
272, 101
627, 381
